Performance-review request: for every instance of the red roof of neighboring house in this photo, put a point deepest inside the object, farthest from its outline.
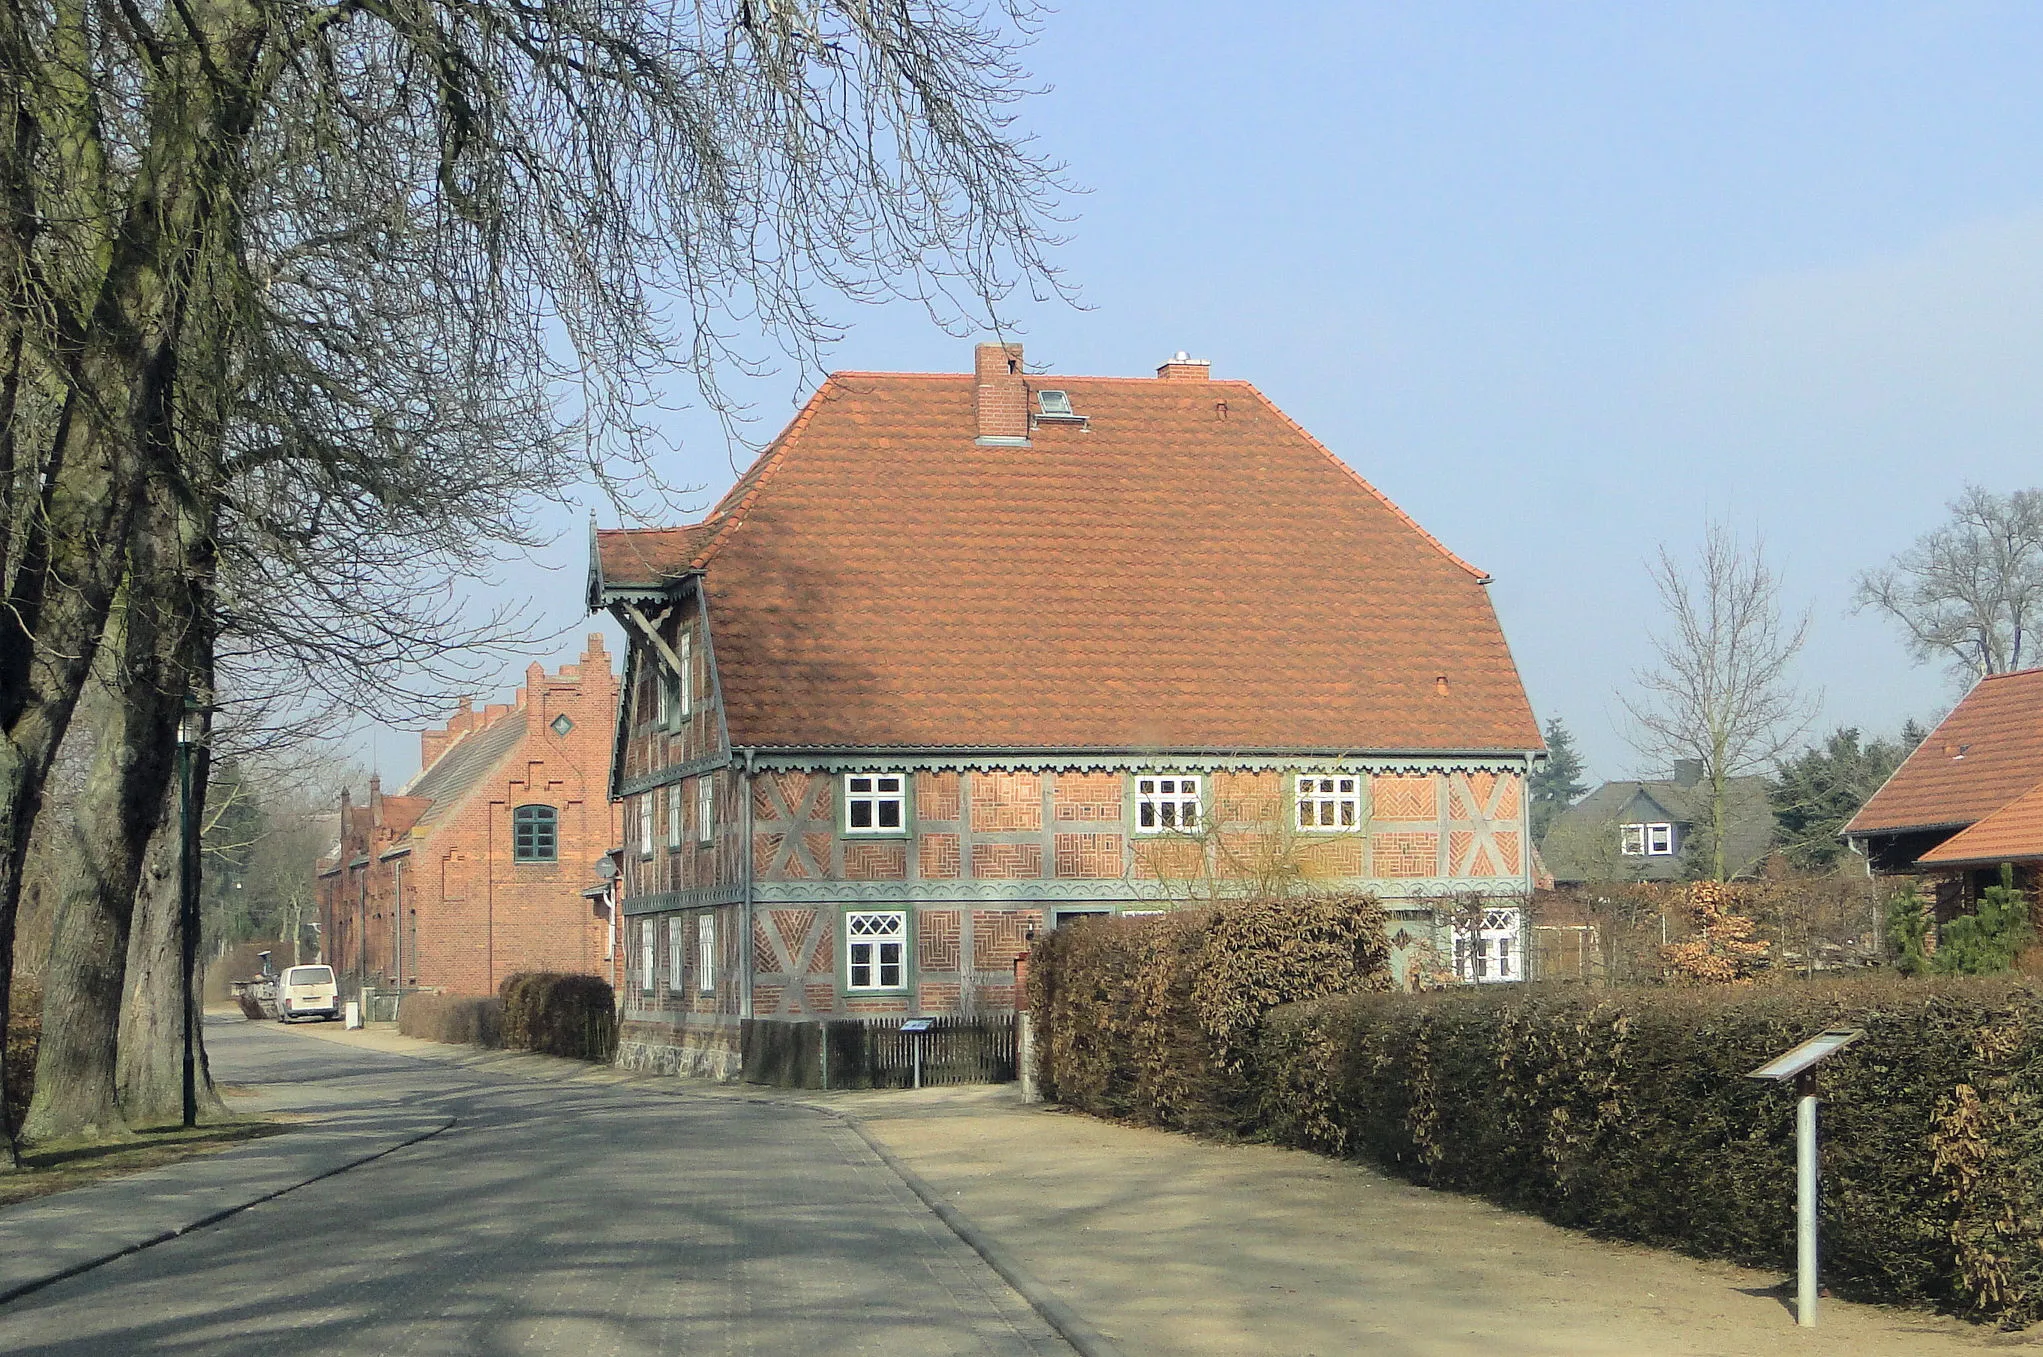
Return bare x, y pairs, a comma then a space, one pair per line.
2012, 833
1186, 570
1987, 752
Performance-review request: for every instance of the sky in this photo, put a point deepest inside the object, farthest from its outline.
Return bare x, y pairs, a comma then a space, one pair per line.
1565, 281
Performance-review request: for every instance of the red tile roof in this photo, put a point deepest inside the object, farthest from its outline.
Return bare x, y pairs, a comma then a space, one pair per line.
1189, 570
2012, 833
1987, 752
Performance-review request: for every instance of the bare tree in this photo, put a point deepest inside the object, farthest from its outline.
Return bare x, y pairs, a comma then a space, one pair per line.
1970, 591
1721, 693
356, 284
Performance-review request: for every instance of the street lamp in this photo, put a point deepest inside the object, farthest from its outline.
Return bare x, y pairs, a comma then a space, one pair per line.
191, 736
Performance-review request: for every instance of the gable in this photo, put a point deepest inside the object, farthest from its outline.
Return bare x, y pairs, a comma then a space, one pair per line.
1187, 570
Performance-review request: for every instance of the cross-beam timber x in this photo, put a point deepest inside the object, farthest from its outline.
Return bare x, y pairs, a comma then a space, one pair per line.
633, 618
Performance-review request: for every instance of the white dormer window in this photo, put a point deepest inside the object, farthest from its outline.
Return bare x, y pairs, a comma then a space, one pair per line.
1646, 840
1165, 805
1054, 403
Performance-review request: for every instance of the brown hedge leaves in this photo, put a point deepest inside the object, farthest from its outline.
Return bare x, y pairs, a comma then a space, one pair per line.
1626, 1112
1155, 1019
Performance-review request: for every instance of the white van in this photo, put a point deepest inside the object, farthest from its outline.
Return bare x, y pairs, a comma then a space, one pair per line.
307, 991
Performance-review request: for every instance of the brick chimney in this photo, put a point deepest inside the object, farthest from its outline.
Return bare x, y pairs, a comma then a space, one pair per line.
1001, 397
1184, 368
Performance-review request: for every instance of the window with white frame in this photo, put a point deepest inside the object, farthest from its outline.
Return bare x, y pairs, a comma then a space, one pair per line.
705, 953
685, 698
1164, 804
645, 955
1493, 950
705, 808
875, 803
1646, 840
663, 699
1329, 802
876, 949
645, 824
673, 816
677, 938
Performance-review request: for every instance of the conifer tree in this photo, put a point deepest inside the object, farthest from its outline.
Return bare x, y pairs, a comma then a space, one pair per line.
1558, 783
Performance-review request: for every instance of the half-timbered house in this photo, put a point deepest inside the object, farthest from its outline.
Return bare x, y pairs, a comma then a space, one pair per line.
961, 656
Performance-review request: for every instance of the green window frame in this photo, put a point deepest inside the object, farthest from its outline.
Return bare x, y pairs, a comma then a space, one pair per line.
535, 834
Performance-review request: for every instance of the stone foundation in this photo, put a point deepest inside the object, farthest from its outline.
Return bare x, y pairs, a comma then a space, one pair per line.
691, 1051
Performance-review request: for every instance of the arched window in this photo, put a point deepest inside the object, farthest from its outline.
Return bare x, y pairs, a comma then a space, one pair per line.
535, 834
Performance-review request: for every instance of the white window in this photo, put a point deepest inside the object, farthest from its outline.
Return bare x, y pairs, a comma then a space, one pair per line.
876, 947
676, 953
705, 808
663, 705
1639, 841
1163, 804
705, 953
1329, 802
673, 815
645, 955
1492, 952
875, 803
686, 697
645, 824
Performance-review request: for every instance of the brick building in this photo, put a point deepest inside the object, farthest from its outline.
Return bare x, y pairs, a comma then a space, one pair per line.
962, 656
490, 860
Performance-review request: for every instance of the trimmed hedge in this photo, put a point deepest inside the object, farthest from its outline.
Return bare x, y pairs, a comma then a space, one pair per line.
1626, 1113
555, 1013
458, 1019
1155, 1019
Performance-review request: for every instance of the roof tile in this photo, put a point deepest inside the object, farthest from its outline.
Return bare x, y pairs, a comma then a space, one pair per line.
1987, 752
1187, 570
2012, 833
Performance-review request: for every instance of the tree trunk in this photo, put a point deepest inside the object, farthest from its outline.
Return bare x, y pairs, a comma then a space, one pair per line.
133, 703
151, 1071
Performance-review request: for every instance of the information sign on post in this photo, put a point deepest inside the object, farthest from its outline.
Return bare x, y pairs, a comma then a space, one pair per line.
1799, 1064
915, 1027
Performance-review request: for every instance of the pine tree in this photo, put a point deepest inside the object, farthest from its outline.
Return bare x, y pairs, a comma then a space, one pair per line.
1558, 784
1815, 793
1908, 932
1986, 941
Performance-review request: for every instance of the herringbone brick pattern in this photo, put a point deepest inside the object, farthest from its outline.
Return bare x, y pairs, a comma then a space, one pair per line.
937, 940
1007, 861
939, 857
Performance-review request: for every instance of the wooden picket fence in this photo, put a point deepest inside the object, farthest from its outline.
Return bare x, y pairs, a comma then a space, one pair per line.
876, 1053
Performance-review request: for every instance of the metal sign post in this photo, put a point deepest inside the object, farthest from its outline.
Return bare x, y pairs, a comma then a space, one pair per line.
1799, 1065
915, 1027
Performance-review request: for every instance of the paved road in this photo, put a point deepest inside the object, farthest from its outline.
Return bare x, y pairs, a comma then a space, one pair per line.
552, 1219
